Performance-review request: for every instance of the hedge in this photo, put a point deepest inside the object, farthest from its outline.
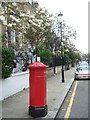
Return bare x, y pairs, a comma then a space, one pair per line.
8, 56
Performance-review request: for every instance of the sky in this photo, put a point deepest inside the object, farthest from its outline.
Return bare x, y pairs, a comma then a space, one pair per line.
75, 14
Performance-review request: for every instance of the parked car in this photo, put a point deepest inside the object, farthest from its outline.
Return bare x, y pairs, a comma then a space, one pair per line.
82, 72
83, 63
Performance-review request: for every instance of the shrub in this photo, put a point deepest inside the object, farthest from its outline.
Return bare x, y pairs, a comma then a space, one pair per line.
57, 60
67, 60
7, 61
46, 56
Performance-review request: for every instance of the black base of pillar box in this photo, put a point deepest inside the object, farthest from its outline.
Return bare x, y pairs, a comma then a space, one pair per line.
38, 111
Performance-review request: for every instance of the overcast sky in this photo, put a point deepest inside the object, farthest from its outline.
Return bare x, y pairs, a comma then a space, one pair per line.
75, 14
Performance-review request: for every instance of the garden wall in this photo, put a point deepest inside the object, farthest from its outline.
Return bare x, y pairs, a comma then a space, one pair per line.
19, 81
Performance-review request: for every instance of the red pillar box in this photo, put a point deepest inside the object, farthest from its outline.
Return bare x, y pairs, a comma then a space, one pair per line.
37, 90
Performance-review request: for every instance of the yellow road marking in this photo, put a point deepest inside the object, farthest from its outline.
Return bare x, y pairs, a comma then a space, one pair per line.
71, 102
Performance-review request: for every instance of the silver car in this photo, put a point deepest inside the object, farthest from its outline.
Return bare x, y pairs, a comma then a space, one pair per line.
83, 63
82, 72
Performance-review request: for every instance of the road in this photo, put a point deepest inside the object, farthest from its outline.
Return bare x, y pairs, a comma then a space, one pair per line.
80, 103
76, 104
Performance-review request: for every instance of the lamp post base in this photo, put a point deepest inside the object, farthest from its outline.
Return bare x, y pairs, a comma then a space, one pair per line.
38, 111
63, 81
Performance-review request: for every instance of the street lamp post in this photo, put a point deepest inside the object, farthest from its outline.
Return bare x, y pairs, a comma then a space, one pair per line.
62, 52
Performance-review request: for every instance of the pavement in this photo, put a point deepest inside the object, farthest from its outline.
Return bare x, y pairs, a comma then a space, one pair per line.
17, 105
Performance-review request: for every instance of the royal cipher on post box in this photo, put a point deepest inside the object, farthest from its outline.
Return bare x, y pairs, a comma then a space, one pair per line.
37, 90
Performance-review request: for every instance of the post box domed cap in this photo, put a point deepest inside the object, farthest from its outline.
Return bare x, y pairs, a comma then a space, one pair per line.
37, 65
